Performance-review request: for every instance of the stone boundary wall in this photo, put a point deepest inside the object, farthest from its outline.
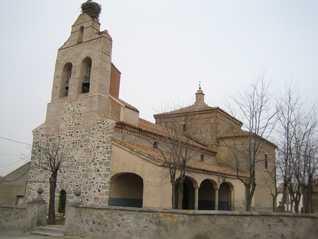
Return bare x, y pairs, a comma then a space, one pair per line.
13, 218
126, 223
22, 219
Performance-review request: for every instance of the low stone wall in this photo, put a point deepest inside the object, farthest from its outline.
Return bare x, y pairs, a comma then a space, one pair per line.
22, 218
127, 223
13, 218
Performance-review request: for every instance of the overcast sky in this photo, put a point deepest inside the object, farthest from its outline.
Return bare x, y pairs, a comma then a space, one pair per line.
163, 49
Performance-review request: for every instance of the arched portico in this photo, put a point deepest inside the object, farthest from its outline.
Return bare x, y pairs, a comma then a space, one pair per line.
126, 190
207, 194
188, 198
225, 196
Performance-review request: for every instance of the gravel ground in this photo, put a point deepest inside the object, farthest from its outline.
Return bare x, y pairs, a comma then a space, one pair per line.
29, 236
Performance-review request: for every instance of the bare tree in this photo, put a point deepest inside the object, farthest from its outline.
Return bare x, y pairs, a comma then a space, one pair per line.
258, 115
304, 167
298, 151
287, 108
50, 153
176, 153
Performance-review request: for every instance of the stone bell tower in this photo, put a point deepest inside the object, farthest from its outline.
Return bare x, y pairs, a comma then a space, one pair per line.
83, 69
85, 79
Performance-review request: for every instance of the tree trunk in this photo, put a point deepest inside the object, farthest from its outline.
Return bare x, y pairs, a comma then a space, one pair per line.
51, 217
274, 204
310, 190
173, 198
296, 206
248, 200
285, 195
307, 196
180, 194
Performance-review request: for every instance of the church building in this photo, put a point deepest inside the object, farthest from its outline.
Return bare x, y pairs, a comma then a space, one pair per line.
116, 158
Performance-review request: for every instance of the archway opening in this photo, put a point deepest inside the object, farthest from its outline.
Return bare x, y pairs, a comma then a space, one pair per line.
187, 199
66, 77
225, 197
62, 202
126, 190
86, 74
207, 195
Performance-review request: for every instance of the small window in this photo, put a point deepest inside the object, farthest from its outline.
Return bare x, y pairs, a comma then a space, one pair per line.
266, 161
184, 127
155, 145
80, 35
202, 157
19, 199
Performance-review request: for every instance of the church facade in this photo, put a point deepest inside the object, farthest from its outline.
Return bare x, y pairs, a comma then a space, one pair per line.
114, 157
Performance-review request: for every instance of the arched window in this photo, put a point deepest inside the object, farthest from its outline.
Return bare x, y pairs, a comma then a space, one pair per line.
80, 35
86, 74
266, 161
202, 157
184, 127
66, 77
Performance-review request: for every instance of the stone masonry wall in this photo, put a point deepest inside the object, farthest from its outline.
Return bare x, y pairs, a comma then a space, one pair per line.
162, 224
87, 165
13, 218
22, 219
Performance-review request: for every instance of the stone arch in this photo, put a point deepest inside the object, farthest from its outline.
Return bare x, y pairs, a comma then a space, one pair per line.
207, 194
187, 199
66, 77
226, 196
126, 190
86, 72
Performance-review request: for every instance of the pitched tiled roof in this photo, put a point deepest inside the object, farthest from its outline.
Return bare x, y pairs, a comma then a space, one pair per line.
244, 134
155, 128
124, 103
150, 127
191, 108
144, 150
155, 156
195, 108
